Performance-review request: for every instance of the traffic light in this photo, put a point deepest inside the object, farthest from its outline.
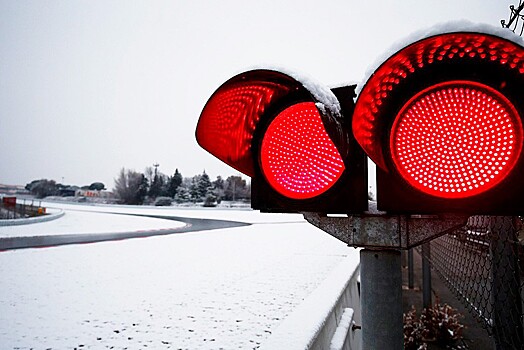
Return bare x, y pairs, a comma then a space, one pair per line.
442, 119
292, 137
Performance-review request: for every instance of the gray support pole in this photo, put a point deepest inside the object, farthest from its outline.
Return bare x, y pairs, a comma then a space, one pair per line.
505, 289
411, 280
381, 299
426, 276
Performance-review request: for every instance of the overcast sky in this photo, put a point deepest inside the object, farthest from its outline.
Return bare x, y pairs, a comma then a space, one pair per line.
89, 87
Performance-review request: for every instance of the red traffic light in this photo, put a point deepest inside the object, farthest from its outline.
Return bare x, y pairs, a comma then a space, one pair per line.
228, 120
456, 139
442, 120
290, 136
297, 156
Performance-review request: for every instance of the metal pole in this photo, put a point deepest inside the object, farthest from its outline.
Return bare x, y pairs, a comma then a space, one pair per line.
505, 289
381, 299
411, 282
426, 275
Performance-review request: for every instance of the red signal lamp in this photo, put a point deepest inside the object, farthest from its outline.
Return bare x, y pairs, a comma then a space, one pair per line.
297, 157
229, 119
292, 137
456, 139
442, 119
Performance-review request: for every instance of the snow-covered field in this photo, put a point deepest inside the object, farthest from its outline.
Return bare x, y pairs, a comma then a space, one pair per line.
227, 288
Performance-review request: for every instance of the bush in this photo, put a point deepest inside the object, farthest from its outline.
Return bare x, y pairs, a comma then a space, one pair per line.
163, 201
210, 201
438, 324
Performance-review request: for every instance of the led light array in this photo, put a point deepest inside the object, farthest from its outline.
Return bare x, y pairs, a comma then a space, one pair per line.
297, 155
443, 48
456, 139
230, 118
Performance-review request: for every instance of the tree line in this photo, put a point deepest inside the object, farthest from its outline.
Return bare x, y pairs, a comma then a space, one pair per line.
154, 187
45, 188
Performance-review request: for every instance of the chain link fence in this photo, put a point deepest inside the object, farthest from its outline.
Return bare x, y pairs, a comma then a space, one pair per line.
483, 264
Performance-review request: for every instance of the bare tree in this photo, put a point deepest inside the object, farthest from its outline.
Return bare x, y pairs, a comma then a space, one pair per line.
149, 174
128, 186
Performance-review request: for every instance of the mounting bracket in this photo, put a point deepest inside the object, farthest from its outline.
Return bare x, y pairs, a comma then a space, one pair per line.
377, 229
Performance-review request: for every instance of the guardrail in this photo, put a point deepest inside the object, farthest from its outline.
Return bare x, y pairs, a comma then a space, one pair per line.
11, 209
50, 215
328, 319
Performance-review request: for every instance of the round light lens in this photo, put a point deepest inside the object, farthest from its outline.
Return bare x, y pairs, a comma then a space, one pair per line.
456, 139
230, 117
297, 156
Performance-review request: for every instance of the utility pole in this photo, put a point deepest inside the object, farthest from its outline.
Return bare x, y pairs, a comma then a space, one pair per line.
381, 298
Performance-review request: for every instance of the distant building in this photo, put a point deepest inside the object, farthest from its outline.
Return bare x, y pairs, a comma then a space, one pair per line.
93, 193
68, 191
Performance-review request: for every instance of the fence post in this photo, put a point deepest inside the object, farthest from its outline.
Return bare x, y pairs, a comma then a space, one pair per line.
381, 299
411, 281
505, 289
426, 275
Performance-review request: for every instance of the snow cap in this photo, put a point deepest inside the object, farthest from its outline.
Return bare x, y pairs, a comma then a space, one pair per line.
326, 100
455, 26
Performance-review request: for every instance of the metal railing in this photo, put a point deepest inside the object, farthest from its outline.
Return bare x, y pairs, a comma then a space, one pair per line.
25, 209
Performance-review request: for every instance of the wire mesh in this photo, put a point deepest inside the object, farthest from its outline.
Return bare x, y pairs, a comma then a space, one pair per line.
482, 263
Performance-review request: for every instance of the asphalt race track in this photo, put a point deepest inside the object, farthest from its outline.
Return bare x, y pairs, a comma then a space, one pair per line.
192, 225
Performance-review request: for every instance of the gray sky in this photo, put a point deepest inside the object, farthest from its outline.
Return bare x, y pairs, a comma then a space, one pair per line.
89, 87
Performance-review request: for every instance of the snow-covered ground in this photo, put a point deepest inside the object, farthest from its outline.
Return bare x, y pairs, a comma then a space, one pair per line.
243, 215
227, 288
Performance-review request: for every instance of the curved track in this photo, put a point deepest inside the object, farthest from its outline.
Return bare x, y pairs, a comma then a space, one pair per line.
192, 225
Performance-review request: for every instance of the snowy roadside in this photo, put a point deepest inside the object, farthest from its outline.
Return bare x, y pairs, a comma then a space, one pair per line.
228, 288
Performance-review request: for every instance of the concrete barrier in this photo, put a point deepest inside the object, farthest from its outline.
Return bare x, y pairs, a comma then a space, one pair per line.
55, 214
314, 323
